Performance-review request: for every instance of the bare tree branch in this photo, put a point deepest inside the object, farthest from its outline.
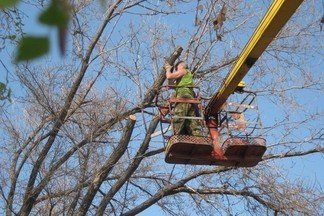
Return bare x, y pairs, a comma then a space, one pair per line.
107, 167
171, 189
28, 199
221, 191
294, 154
131, 168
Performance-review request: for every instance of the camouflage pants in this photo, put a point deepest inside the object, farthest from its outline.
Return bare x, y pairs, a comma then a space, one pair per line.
185, 126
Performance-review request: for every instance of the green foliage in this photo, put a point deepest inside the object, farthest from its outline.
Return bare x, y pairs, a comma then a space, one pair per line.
32, 47
12, 37
5, 93
8, 3
57, 14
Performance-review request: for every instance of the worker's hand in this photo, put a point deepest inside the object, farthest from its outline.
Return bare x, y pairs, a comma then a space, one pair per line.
167, 66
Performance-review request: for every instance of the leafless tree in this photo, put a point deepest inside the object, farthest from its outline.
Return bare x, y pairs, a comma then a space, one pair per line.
76, 139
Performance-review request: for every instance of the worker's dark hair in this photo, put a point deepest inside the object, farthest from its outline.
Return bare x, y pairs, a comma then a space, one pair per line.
179, 62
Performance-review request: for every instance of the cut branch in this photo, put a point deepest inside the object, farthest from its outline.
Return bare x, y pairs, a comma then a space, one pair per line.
151, 93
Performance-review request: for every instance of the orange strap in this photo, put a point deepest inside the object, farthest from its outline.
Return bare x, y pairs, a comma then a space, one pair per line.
184, 100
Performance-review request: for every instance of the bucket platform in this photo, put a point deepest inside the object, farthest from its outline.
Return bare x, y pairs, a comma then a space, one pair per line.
237, 151
185, 149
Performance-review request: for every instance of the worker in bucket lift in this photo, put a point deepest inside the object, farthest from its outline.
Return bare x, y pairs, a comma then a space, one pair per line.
184, 80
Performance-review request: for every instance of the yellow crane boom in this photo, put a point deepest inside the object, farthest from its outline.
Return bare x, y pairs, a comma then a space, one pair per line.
276, 17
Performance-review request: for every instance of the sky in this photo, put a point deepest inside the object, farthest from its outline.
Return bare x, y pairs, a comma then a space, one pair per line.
307, 166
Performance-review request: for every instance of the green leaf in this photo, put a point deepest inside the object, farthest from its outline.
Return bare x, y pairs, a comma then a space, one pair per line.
12, 37
2, 87
8, 3
5, 93
32, 47
57, 14
9, 95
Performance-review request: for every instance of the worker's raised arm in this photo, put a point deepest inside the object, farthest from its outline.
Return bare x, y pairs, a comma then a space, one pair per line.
175, 75
180, 72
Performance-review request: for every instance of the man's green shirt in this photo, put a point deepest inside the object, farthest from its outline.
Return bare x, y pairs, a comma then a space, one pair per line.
183, 83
